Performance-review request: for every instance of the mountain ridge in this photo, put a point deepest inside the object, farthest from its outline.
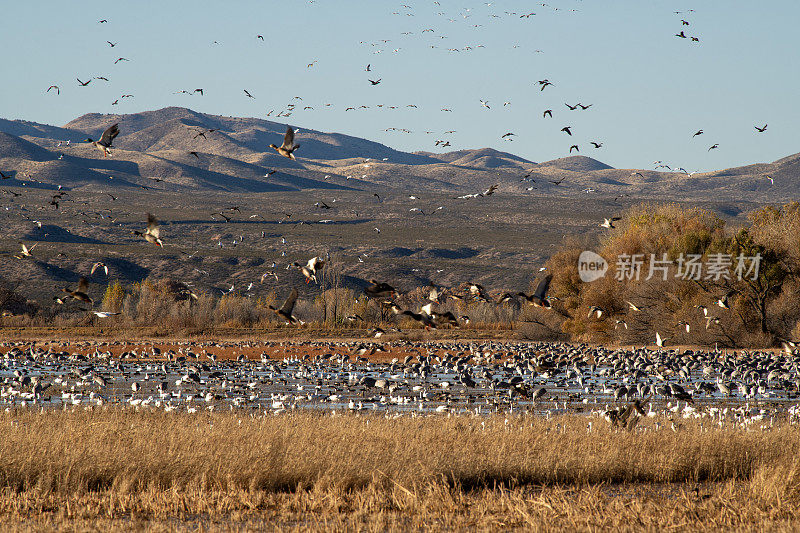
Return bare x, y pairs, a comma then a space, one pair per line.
198, 151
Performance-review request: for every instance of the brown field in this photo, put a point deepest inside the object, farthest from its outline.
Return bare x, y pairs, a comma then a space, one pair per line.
114, 469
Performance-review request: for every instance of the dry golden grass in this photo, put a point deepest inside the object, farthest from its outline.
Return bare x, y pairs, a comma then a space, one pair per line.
115, 469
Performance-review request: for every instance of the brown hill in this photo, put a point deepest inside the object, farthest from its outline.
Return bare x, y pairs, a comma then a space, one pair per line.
576, 163
236, 157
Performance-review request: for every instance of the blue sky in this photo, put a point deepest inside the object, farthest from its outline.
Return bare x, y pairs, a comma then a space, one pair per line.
649, 90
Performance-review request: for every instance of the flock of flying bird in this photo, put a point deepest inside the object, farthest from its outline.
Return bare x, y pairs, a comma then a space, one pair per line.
380, 45
287, 149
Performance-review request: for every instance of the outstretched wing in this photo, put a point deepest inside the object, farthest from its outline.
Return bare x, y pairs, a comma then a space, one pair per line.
315, 263
152, 225
541, 288
490, 190
110, 134
83, 285
288, 139
288, 305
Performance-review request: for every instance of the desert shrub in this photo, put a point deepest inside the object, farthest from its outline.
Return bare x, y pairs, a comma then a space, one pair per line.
114, 297
236, 311
762, 306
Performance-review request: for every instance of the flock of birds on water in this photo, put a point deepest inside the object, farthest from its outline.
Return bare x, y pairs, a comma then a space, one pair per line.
744, 388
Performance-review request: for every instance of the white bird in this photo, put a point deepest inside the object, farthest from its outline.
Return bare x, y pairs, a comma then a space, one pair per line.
608, 223
659, 341
25, 252
104, 314
311, 268
99, 265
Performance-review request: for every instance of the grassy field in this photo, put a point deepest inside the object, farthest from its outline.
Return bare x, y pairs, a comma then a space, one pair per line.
113, 469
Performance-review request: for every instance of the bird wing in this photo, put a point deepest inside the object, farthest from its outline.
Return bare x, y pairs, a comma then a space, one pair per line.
83, 285
288, 139
541, 288
110, 134
288, 305
152, 226
315, 263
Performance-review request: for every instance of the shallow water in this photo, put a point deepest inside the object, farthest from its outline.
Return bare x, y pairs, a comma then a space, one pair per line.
284, 383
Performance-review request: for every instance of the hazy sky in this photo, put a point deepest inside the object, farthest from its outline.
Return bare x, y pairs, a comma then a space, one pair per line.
649, 90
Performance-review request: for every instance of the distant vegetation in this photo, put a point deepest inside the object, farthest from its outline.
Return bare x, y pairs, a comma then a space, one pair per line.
762, 308
700, 307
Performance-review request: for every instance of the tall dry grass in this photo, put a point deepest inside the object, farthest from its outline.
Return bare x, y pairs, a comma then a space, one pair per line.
124, 450
114, 469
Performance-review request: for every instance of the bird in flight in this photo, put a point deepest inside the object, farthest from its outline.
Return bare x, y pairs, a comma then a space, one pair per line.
285, 311
248, 94
58, 91
84, 83
714, 146
121, 59
538, 298
152, 234
543, 83
310, 269
596, 144
81, 293
288, 147
105, 314
762, 129
698, 132
98, 265
104, 144
487, 192
375, 82
575, 146
608, 223
25, 252
567, 130
547, 112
